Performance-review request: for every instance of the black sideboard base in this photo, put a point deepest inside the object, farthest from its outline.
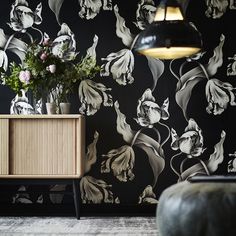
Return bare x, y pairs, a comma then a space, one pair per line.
68, 210
74, 182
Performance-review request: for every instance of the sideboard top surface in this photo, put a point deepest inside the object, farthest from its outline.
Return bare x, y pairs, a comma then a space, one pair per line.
71, 116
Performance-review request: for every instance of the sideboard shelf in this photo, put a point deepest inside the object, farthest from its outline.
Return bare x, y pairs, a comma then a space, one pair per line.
41, 146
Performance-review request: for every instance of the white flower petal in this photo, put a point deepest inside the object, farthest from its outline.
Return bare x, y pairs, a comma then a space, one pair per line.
217, 157
121, 125
91, 52
38, 18
175, 140
3, 60
121, 30
95, 191
92, 95
120, 65
89, 8
91, 155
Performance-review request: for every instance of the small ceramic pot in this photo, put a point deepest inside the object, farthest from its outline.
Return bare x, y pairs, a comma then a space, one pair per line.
65, 107
51, 108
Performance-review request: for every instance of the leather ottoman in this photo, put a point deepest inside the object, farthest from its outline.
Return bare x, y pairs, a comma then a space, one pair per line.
205, 208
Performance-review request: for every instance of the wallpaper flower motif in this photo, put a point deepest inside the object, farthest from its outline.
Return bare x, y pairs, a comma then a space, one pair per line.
191, 78
22, 17
145, 13
216, 8
190, 142
157, 118
95, 190
90, 8
152, 147
148, 196
232, 163
148, 111
23, 197
65, 40
231, 67
3, 60
11, 44
206, 167
121, 162
232, 166
120, 65
219, 95
91, 155
92, 95
20, 105
217, 157
122, 31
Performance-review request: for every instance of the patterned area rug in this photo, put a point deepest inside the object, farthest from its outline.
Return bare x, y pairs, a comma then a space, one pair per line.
70, 226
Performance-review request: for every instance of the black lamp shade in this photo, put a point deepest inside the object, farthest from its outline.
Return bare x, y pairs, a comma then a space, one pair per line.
169, 40
170, 36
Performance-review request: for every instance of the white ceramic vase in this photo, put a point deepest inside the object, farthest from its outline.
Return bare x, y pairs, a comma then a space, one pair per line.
51, 108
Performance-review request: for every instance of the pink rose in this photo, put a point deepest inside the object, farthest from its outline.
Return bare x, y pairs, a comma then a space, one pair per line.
46, 41
43, 56
52, 68
24, 76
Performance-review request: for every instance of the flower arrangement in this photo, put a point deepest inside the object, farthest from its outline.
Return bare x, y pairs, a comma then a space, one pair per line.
50, 67
45, 72
40, 71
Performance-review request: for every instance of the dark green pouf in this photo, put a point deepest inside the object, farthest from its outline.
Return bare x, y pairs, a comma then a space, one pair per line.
198, 209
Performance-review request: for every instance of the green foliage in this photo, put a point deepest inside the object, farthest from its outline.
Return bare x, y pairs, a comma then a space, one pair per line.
87, 68
73, 74
47, 73
12, 80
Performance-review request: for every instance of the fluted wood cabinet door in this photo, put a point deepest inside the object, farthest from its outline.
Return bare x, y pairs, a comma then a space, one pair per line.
4, 146
42, 146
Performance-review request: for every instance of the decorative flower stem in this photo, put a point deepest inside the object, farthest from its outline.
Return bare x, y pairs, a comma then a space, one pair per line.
8, 42
202, 163
41, 33
204, 70
158, 135
30, 36
134, 41
136, 136
168, 136
181, 68
12, 36
172, 167
171, 70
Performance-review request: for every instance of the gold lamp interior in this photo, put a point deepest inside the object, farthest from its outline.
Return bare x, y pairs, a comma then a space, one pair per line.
170, 53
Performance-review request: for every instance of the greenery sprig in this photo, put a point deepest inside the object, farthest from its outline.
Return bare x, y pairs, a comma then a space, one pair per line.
44, 73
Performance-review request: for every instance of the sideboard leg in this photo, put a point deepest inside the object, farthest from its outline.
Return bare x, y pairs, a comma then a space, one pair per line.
76, 195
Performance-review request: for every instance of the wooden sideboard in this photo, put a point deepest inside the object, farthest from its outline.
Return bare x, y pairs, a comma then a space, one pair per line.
50, 146
43, 147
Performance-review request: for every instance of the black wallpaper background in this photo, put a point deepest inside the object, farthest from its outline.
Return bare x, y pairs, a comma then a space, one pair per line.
104, 120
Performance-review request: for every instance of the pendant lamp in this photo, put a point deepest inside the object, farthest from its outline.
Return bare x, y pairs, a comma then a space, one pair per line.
170, 35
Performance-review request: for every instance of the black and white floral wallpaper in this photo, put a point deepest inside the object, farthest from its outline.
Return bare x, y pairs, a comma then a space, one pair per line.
150, 123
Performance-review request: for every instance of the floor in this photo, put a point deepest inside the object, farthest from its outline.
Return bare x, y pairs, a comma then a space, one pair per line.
70, 226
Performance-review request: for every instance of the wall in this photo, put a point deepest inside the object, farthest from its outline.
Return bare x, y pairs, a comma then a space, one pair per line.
144, 116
